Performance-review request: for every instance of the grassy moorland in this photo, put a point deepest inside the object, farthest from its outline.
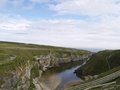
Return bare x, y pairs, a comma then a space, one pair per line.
104, 64
23, 52
14, 57
101, 62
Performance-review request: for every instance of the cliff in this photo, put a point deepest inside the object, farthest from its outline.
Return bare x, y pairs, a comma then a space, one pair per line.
100, 62
21, 65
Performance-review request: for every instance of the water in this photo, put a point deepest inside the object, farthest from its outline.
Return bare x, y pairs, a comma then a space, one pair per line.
56, 78
67, 76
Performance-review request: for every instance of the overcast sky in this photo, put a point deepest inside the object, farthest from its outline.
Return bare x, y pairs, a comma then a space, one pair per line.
69, 23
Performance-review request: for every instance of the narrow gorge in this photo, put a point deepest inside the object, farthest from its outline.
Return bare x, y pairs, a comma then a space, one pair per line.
27, 69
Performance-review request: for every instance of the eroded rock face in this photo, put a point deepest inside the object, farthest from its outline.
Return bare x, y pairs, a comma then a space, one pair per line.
24, 78
9, 83
18, 80
51, 61
44, 61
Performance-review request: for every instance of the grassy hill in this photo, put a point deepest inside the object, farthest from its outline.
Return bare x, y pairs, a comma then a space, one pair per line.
100, 62
18, 67
103, 64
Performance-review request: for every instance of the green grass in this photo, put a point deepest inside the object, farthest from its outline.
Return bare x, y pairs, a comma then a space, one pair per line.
103, 74
109, 72
99, 64
27, 52
35, 71
1, 82
32, 86
115, 88
118, 80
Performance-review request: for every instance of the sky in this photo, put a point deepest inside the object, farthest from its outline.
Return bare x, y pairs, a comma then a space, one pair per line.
66, 23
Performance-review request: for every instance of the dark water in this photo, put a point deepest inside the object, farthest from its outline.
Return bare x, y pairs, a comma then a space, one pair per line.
67, 76
57, 77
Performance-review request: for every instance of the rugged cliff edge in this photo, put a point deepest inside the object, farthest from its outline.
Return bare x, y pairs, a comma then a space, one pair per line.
100, 72
100, 62
21, 65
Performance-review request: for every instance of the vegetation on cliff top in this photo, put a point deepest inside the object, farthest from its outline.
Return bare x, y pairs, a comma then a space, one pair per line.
15, 56
100, 62
23, 52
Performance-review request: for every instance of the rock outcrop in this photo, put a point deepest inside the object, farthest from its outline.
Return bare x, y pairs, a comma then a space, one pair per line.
29, 76
52, 61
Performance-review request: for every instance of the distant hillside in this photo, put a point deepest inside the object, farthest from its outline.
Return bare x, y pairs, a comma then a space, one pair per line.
21, 64
100, 62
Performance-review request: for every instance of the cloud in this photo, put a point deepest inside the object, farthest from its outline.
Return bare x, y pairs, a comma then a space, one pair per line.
21, 4
66, 7
39, 1
100, 30
14, 23
2, 3
86, 7
63, 32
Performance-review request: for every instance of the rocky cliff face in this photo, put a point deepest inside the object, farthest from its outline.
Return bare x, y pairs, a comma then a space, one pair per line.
28, 77
52, 61
21, 64
18, 80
